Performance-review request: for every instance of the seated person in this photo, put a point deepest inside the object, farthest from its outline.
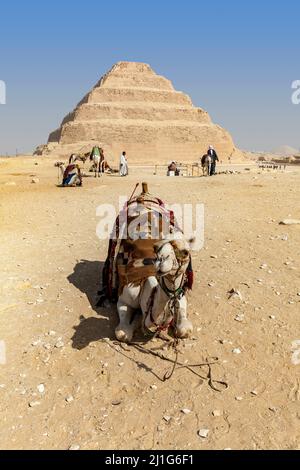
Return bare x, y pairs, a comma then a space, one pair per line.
72, 176
173, 167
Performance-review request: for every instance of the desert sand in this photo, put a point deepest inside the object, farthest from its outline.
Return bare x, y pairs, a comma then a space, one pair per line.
66, 384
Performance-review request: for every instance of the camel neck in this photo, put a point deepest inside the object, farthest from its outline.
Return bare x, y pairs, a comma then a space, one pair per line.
172, 284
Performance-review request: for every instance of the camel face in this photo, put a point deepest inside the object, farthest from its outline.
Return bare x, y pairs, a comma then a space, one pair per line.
172, 258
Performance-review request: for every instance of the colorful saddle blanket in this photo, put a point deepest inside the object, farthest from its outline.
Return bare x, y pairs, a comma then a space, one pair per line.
131, 253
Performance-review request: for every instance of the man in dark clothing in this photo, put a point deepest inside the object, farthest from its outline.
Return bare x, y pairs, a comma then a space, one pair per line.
214, 159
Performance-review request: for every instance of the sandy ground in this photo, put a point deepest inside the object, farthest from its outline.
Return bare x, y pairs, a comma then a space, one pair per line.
94, 395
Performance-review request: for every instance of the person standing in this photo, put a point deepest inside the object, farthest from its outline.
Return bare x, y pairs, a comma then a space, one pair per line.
214, 159
123, 165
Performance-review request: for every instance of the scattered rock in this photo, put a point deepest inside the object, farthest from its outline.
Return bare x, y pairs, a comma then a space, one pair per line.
239, 398
74, 447
59, 344
290, 222
234, 293
35, 181
41, 388
240, 318
203, 433
153, 387
33, 404
237, 351
69, 399
185, 411
167, 418
116, 402
273, 409
217, 413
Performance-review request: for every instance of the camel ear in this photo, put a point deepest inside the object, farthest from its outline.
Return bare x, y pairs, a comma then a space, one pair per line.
191, 243
180, 249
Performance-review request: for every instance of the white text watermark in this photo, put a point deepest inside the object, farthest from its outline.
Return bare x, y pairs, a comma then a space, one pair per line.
138, 221
2, 353
2, 92
296, 93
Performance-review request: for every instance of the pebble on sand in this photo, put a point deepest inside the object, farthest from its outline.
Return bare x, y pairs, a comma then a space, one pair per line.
237, 351
41, 388
240, 318
167, 418
33, 404
185, 411
290, 222
203, 433
74, 447
234, 293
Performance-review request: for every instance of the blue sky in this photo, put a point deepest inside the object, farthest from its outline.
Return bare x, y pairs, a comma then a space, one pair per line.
235, 59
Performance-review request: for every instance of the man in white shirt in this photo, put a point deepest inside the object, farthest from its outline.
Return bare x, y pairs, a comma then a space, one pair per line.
123, 165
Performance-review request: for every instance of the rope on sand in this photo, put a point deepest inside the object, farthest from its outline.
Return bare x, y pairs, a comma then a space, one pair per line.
215, 385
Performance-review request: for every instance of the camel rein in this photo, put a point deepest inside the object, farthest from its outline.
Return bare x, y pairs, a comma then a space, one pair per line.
216, 385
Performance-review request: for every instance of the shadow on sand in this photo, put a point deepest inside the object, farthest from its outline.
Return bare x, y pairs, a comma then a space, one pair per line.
86, 277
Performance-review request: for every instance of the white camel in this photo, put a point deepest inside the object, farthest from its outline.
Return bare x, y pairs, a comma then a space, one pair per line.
98, 163
161, 298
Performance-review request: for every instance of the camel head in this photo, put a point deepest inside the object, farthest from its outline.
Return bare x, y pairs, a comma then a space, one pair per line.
59, 164
173, 257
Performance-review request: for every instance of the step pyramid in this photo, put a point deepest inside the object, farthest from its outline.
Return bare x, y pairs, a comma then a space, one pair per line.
133, 109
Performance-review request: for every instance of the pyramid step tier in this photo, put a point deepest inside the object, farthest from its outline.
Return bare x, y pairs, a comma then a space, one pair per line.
92, 112
102, 94
130, 80
143, 132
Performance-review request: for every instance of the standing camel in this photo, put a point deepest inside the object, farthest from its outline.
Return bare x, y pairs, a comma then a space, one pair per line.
98, 159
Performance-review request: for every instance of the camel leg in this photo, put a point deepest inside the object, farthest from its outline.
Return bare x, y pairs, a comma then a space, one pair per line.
125, 330
183, 326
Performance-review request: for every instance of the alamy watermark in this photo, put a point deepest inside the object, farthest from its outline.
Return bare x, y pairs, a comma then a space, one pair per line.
296, 93
2, 353
136, 221
2, 92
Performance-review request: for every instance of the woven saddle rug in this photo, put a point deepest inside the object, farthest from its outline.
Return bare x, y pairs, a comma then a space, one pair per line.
131, 254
